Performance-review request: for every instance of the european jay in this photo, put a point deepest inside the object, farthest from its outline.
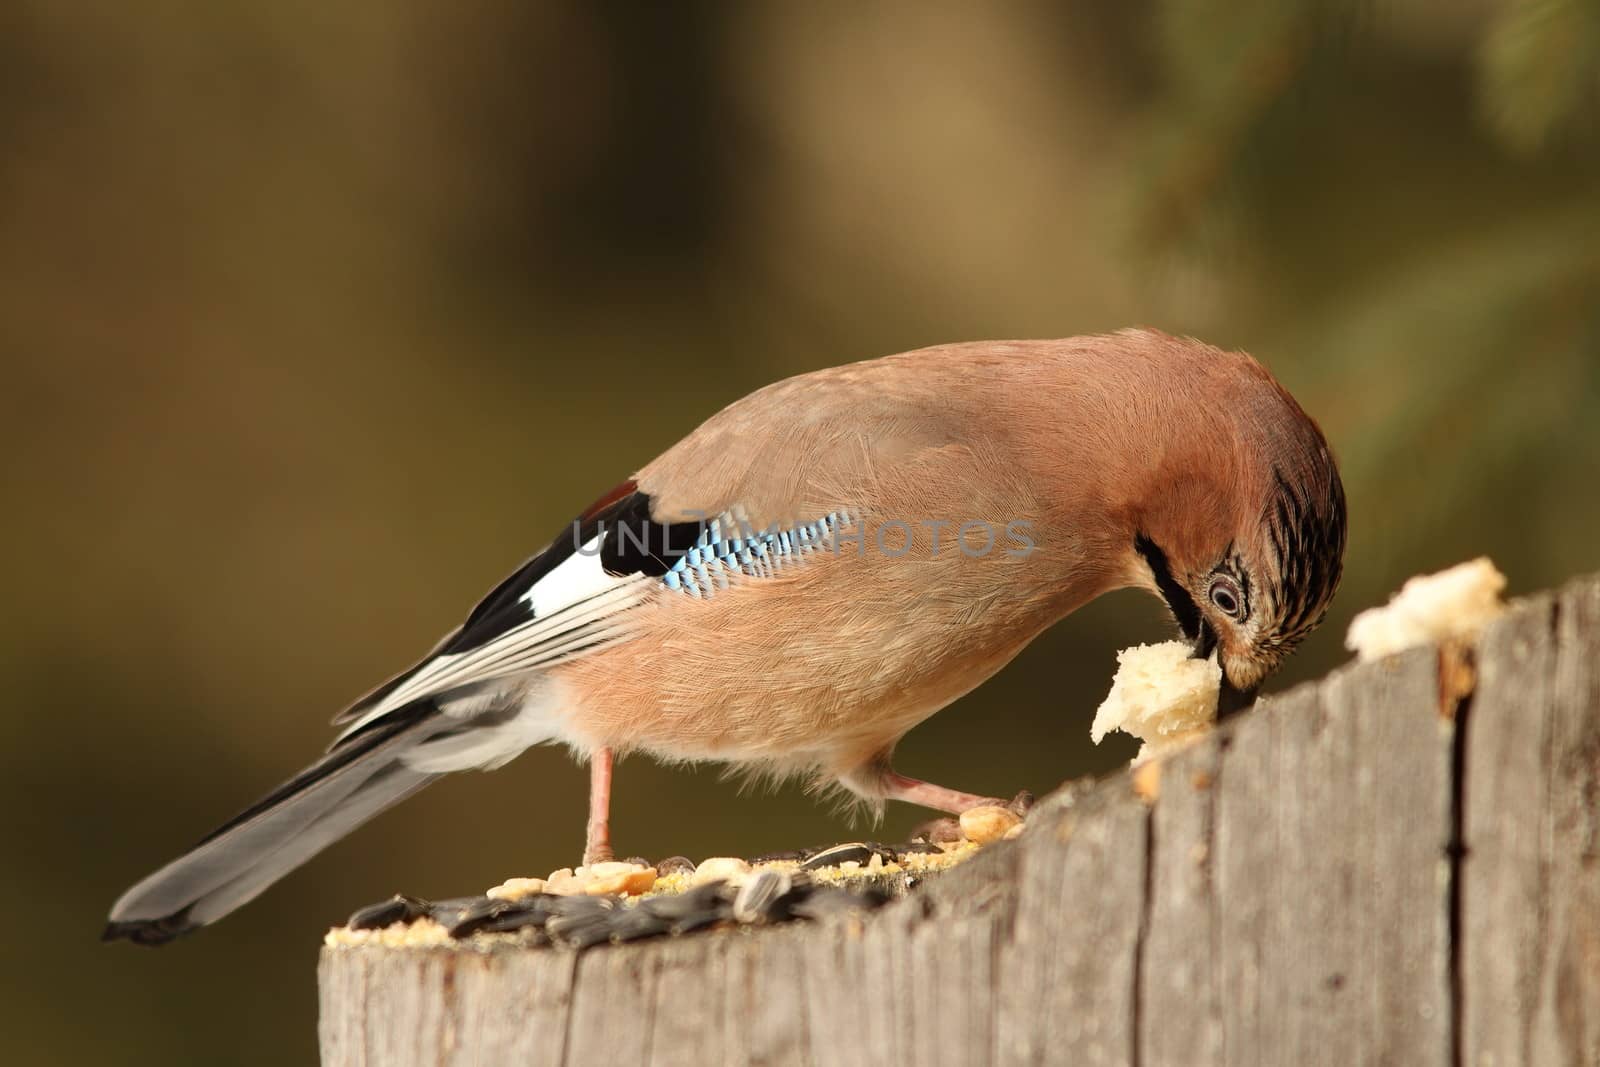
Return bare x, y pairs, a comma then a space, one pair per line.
824, 564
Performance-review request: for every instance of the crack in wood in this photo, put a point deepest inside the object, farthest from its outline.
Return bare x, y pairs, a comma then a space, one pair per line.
1141, 937
568, 1015
1456, 848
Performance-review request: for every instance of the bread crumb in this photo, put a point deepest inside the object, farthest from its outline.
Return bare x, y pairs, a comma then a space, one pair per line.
1162, 695
601, 879
1147, 781
987, 823
624, 879
1454, 603
423, 933
730, 869
516, 888
566, 882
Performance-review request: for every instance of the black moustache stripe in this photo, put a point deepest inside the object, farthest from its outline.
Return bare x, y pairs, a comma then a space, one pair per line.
1177, 597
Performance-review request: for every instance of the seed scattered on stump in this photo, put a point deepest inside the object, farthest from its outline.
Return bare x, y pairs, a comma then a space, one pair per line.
792, 855
822, 902
675, 865
762, 898
633, 924
712, 896
618, 902
448, 912
580, 905
478, 915
858, 852
397, 909
519, 918
581, 929
698, 920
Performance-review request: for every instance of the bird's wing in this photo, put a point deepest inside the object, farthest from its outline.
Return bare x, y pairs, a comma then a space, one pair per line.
572, 598
749, 492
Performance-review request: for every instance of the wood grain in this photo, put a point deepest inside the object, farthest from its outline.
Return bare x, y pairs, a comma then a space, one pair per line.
1530, 902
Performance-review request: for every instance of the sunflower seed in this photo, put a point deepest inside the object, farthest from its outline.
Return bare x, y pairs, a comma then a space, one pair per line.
632, 924
762, 898
571, 907
697, 920
793, 855
472, 919
713, 896
823, 901
580, 929
675, 865
397, 909
519, 919
448, 912
852, 852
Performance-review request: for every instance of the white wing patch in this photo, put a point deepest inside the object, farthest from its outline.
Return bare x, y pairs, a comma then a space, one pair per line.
578, 577
575, 607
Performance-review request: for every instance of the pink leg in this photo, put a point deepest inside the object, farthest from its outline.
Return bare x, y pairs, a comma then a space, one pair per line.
897, 786
597, 841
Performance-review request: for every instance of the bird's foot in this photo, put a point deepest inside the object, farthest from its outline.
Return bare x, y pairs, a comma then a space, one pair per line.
950, 829
937, 797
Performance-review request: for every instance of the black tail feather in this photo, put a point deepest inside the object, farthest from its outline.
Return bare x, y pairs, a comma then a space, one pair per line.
251, 851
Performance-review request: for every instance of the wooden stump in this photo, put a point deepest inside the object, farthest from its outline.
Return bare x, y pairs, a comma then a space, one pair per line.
1398, 865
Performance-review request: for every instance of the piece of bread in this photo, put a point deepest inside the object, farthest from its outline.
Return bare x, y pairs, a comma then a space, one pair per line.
1454, 603
1162, 695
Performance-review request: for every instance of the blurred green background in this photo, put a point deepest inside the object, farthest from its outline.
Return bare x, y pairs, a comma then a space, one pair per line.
316, 319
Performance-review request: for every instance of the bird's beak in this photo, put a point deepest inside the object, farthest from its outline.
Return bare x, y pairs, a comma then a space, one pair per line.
1232, 700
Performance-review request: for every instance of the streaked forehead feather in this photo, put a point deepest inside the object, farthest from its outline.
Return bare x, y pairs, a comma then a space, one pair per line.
1305, 522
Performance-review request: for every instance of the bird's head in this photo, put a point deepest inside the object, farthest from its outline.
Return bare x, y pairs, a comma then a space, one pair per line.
1249, 562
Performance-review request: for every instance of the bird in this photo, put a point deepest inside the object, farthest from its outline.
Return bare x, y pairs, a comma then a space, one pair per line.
824, 564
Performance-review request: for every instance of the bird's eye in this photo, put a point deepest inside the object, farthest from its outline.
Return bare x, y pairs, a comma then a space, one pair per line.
1225, 595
